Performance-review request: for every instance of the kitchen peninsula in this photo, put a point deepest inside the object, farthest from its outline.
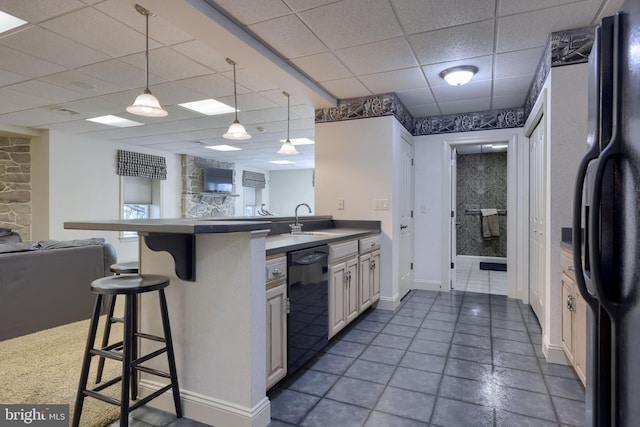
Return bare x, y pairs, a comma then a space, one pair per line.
217, 306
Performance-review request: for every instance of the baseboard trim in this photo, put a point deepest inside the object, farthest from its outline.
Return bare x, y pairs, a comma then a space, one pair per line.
428, 285
554, 353
209, 410
389, 303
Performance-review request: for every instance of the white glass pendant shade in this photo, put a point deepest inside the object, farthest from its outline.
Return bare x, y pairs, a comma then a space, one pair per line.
147, 105
236, 131
288, 148
458, 76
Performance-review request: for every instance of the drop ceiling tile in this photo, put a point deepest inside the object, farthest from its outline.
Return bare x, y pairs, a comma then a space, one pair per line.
82, 83
510, 85
417, 16
343, 24
35, 117
288, 36
427, 110
250, 11
37, 11
99, 105
322, 67
27, 65
409, 78
532, 29
513, 7
451, 44
484, 64
467, 106
77, 126
250, 80
51, 47
22, 99
97, 30
518, 63
120, 74
212, 85
50, 92
167, 63
410, 98
172, 93
299, 5
509, 101
473, 90
203, 54
160, 28
346, 88
385, 55
8, 77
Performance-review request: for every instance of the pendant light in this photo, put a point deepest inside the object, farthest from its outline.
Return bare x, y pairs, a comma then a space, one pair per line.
236, 130
287, 147
146, 104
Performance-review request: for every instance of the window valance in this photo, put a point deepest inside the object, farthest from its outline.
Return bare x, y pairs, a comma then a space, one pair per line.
253, 179
142, 165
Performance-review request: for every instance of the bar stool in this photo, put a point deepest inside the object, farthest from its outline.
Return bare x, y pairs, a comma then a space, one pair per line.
125, 351
117, 269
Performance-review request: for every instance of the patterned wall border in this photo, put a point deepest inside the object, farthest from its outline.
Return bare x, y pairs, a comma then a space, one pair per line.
563, 48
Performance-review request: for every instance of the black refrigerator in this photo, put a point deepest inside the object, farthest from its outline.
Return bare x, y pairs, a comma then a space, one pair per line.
606, 223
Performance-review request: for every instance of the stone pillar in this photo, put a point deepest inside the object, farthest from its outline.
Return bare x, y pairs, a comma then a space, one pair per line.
195, 203
15, 185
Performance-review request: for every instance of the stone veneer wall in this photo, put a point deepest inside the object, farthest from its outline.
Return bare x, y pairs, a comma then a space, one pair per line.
195, 203
15, 185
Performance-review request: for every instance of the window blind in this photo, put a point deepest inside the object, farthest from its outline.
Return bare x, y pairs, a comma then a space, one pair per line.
253, 179
142, 165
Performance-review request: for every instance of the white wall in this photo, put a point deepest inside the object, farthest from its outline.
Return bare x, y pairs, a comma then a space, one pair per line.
262, 195
288, 188
81, 184
354, 162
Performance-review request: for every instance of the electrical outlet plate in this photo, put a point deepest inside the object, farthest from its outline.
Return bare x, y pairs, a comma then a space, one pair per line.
340, 204
381, 204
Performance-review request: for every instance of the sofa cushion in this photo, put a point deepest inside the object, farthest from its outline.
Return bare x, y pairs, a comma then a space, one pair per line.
8, 236
6, 248
57, 244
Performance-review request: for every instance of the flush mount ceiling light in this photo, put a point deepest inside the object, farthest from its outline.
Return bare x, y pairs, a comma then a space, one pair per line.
236, 130
9, 22
287, 147
458, 76
146, 104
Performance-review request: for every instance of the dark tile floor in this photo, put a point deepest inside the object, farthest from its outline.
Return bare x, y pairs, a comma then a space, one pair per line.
442, 359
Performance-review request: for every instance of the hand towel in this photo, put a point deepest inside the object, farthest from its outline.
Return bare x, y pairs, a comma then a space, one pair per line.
490, 225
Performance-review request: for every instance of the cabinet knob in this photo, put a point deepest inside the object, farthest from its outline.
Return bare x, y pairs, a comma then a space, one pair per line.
277, 272
571, 268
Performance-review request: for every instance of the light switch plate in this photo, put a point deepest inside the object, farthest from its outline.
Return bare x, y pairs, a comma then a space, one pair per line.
381, 204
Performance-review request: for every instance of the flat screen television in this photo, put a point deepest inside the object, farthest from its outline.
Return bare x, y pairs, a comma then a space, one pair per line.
217, 180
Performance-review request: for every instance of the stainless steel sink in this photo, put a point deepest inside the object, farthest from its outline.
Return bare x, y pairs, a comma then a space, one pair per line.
313, 233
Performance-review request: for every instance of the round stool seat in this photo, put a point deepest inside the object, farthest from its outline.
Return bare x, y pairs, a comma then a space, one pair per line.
124, 267
125, 284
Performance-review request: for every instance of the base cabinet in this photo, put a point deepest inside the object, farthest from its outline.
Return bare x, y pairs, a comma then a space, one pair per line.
343, 294
276, 321
574, 318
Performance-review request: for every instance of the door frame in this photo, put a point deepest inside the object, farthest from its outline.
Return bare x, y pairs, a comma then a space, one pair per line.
509, 137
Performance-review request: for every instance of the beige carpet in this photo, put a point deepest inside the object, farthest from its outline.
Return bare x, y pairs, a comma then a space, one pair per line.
44, 368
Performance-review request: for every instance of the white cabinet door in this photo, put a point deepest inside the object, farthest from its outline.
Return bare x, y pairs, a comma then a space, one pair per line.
351, 289
337, 303
276, 334
365, 285
375, 276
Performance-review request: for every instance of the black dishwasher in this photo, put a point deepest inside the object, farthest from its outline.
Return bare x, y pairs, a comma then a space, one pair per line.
307, 290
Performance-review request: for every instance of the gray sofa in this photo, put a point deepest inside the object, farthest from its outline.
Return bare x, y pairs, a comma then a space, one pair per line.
46, 284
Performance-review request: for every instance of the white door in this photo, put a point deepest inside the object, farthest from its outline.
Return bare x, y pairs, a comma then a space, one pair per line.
537, 220
406, 217
454, 219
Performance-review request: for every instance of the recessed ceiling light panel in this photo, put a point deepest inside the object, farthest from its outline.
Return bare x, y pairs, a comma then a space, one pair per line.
282, 162
208, 107
116, 121
223, 147
9, 22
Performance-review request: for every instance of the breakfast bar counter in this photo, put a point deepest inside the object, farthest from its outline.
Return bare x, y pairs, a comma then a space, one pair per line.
217, 311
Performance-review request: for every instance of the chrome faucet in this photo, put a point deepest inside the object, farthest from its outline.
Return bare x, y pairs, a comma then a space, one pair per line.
297, 227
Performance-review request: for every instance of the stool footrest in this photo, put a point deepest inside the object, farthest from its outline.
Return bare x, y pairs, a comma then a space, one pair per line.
152, 396
114, 355
153, 371
150, 337
103, 397
146, 357
109, 383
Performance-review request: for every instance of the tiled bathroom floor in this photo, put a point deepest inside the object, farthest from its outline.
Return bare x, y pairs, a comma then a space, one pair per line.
470, 278
442, 359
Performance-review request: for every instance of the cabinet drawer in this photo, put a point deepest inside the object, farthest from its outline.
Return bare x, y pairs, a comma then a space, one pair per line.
276, 269
566, 260
342, 250
369, 243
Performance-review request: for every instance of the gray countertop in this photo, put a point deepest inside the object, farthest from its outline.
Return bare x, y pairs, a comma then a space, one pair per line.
170, 225
282, 243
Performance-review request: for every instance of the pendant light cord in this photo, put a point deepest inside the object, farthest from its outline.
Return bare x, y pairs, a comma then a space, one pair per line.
288, 120
235, 93
147, 52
